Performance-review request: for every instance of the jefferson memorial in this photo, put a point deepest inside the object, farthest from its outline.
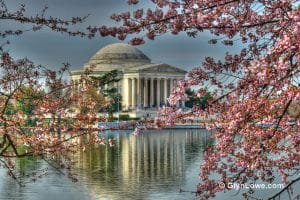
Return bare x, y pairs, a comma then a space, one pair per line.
144, 86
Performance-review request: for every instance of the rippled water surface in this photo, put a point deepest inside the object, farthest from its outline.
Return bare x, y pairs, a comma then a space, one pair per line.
155, 165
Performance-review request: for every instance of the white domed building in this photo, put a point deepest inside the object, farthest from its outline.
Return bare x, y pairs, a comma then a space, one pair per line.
144, 86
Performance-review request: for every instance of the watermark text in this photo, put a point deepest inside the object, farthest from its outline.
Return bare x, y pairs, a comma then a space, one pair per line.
257, 186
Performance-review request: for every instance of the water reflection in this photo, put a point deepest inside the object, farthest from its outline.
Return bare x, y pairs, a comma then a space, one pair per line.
152, 164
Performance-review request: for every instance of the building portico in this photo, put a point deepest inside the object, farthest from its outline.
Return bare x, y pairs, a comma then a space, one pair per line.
145, 92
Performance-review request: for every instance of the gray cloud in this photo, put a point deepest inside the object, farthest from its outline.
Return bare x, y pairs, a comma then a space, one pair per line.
52, 49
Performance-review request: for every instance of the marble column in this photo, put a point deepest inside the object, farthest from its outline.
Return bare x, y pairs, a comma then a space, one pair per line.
129, 92
165, 91
125, 92
139, 93
146, 92
134, 93
158, 92
151, 92
168, 87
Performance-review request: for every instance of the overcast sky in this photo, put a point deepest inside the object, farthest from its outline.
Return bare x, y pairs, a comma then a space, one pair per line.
51, 49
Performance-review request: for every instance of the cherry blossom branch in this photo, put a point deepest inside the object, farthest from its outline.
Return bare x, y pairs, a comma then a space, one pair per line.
284, 189
11, 173
186, 14
38, 21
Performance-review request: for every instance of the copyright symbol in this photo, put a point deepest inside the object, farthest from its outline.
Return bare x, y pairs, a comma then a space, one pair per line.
222, 185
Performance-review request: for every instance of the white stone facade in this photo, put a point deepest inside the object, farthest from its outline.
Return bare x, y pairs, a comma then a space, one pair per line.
144, 86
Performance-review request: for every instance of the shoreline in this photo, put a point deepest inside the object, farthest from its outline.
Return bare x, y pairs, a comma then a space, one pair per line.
125, 126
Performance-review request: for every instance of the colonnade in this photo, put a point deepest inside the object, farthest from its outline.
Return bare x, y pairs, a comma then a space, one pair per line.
141, 92
147, 92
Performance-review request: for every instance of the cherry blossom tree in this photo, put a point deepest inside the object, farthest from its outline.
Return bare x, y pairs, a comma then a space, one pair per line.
57, 131
252, 90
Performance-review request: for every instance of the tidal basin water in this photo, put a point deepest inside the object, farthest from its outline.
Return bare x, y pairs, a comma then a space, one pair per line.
154, 165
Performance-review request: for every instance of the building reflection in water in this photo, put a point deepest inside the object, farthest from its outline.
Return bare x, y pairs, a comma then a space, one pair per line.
138, 166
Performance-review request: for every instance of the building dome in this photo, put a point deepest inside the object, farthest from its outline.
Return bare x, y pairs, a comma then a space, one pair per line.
118, 53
